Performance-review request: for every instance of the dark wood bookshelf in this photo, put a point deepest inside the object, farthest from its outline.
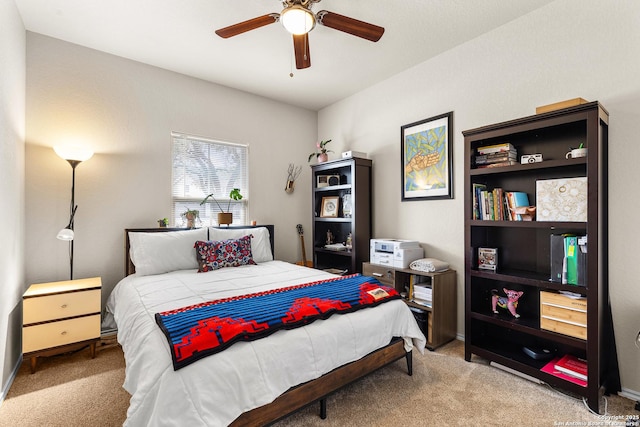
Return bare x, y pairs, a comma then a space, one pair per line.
355, 180
524, 260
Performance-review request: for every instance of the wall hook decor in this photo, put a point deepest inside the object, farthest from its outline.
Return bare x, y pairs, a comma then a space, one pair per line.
292, 174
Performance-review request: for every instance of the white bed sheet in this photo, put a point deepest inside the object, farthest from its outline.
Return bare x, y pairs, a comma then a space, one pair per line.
217, 389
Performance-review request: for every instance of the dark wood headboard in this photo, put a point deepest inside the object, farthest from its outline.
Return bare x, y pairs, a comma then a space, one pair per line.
129, 268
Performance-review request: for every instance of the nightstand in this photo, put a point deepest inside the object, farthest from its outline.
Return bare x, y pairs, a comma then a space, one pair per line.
437, 320
61, 316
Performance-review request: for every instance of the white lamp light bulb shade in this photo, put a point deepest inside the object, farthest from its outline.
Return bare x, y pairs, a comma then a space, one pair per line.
65, 234
69, 152
297, 20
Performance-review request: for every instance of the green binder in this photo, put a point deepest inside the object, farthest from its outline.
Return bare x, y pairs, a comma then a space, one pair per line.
571, 259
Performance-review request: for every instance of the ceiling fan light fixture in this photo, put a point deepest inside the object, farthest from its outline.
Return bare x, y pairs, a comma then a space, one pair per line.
297, 20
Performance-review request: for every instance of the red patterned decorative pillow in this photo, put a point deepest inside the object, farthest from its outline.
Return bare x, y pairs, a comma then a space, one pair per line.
226, 253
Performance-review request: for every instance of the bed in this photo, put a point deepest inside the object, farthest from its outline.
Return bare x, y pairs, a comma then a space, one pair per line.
249, 383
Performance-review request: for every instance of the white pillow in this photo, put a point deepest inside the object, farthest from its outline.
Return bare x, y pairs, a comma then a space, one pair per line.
162, 252
260, 243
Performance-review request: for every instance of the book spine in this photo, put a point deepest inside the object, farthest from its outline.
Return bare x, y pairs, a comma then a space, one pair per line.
497, 165
495, 148
495, 157
571, 373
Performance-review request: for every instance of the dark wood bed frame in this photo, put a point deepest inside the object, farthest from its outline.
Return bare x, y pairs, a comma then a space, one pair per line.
310, 392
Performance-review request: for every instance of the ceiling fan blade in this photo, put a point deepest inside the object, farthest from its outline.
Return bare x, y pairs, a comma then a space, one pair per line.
301, 49
350, 25
251, 24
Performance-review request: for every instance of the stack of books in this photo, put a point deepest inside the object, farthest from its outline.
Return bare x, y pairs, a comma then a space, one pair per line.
497, 155
568, 367
423, 294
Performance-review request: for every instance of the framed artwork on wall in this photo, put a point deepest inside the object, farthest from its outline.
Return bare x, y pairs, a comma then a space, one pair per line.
427, 158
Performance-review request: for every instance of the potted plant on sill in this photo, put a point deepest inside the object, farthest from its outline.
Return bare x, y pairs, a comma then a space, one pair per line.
321, 155
225, 217
191, 215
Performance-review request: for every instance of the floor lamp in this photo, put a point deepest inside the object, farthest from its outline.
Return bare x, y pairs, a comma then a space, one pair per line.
75, 156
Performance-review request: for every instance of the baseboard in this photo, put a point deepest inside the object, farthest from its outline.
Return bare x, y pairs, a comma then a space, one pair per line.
630, 394
12, 377
516, 373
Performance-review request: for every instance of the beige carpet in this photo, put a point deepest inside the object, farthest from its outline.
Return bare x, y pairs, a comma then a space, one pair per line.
74, 390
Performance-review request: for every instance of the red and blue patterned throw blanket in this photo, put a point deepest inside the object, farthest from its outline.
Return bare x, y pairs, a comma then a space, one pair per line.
203, 329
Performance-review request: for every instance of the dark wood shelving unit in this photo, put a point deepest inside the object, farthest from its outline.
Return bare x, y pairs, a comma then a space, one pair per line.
354, 180
524, 260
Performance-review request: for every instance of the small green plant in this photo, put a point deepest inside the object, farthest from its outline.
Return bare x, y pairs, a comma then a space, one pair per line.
164, 222
233, 195
191, 213
322, 149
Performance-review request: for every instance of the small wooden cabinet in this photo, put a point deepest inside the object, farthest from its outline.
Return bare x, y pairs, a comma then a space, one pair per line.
440, 319
60, 316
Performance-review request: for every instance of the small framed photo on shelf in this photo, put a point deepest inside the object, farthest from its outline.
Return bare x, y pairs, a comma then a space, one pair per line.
330, 207
488, 259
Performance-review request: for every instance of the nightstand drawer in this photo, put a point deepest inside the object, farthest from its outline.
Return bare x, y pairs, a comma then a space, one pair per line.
60, 306
53, 334
381, 272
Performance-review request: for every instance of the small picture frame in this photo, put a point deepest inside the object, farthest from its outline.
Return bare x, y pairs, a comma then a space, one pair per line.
488, 259
330, 207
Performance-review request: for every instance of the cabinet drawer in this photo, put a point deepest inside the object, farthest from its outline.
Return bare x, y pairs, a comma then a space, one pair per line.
383, 273
53, 334
564, 315
565, 328
60, 306
552, 298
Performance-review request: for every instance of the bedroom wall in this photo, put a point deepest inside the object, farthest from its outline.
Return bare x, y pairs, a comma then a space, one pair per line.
125, 111
12, 130
567, 49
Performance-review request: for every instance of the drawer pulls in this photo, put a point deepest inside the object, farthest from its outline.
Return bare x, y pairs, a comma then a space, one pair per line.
63, 306
63, 333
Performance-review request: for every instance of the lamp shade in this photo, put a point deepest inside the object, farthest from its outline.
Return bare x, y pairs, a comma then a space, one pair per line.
65, 234
69, 152
297, 20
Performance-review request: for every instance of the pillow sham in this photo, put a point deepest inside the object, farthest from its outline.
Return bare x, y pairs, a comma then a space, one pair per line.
212, 255
163, 252
260, 243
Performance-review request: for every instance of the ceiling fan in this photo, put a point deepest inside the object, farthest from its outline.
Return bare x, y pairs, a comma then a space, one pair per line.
298, 18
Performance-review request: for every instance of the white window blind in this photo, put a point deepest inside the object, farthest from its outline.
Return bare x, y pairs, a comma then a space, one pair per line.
201, 167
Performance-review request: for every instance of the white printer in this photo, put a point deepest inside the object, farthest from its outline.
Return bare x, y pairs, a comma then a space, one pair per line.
394, 253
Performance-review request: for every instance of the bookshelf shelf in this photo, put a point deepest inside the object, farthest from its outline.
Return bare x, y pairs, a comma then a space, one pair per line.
529, 167
524, 248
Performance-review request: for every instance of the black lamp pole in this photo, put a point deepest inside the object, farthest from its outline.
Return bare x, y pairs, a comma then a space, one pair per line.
73, 209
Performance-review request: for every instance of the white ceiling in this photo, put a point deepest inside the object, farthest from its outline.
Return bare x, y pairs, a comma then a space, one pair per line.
178, 35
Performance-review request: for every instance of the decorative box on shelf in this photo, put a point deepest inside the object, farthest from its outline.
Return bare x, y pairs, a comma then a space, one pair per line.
563, 314
560, 105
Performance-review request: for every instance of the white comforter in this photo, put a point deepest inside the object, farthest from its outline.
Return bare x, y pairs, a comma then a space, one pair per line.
217, 389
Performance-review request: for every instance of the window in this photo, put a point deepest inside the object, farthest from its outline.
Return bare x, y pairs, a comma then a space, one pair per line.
201, 167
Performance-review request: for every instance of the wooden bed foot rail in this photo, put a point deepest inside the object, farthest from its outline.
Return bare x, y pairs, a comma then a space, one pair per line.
318, 389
